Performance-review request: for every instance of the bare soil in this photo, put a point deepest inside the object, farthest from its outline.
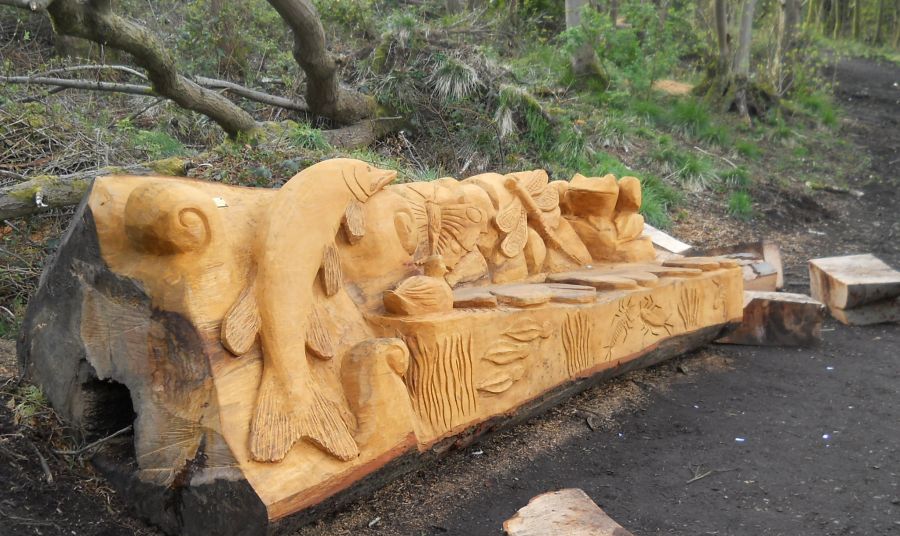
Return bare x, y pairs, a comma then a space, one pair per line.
776, 441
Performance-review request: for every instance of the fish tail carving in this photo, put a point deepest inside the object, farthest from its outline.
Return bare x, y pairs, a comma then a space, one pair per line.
279, 423
275, 427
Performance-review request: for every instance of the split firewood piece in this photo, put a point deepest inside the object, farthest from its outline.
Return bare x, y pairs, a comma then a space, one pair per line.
354, 222
473, 297
668, 243
241, 323
567, 511
597, 281
332, 276
522, 295
760, 251
851, 281
318, 338
778, 319
760, 276
566, 293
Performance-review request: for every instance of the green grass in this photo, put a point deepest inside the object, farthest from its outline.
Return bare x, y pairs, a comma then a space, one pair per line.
306, 137
690, 116
820, 106
736, 178
715, 135
157, 145
740, 205
747, 149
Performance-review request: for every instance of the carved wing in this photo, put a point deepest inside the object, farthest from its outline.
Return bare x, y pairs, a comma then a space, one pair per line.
536, 185
514, 242
509, 216
460, 223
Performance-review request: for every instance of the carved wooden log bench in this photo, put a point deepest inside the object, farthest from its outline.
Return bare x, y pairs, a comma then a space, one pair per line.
281, 352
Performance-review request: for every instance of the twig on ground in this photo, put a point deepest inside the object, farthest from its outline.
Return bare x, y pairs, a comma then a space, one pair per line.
94, 444
732, 164
699, 475
44, 465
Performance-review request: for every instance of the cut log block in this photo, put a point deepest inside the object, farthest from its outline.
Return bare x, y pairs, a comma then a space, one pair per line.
850, 281
568, 511
778, 319
760, 276
872, 313
762, 250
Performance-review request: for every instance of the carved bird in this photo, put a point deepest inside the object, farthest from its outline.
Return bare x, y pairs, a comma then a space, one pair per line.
422, 294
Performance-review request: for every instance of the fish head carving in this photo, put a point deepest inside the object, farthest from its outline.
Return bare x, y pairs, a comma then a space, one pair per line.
363, 179
169, 218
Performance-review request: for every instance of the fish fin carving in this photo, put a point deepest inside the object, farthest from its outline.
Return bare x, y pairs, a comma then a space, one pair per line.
241, 323
318, 339
354, 222
332, 276
279, 423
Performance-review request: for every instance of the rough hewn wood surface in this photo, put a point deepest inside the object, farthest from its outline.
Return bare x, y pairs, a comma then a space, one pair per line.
567, 511
778, 319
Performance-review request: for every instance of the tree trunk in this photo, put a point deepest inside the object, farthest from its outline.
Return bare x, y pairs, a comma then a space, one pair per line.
613, 12
724, 61
812, 9
742, 58
838, 19
585, 63
788, 18
879, 24
324, 94
95, 21
856, 20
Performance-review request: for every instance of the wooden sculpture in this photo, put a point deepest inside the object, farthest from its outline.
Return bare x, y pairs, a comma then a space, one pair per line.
281, 351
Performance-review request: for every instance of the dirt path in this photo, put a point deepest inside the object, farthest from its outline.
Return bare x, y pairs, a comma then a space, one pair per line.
820, 427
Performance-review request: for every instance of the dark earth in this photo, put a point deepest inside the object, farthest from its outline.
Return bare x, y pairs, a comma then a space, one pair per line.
725, 441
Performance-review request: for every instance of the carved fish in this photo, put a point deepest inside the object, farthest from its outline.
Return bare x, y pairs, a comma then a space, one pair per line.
295, 241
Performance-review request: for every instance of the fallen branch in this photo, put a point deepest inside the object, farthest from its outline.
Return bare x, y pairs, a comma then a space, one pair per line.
135, 89
44, 464
95, 444
20, 199
69, 83
363, 133
33, 5
252, 94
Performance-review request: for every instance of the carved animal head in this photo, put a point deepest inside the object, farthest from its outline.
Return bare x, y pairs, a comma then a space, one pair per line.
363, 179
168, 218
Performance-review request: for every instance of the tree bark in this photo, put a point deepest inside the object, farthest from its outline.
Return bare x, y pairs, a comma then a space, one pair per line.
837, 7
96, 22
879, 24
585, 63
324, 95
856, 20
788, 19
724, 61
742, 58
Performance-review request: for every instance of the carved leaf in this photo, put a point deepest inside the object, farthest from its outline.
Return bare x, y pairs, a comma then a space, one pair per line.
354, 222
529, 330
332, 276
505, 352
241, 323
502, 381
